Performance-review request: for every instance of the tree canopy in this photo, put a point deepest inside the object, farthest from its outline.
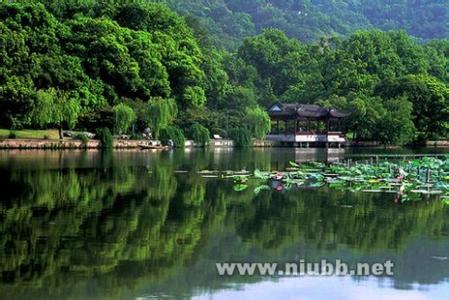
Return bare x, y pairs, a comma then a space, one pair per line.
73, 63
230, 21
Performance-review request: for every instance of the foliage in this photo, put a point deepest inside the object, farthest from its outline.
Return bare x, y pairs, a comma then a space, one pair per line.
63, 62
396, 125
82, 137
258, 122
91, 64
105, 136
241, 137
173, 133
161, 114
430, 99
124, 118
232, 20
199, 134
410, 180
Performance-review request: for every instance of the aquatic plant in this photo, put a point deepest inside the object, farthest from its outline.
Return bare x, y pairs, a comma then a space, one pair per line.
409, 180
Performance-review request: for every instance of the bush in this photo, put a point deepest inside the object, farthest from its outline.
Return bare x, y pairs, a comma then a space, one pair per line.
173, 133
241, 137
12, 135
199, 134
105, 136
46, 137
82, 137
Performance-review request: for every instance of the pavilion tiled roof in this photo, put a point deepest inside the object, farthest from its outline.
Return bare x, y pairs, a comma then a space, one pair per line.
303, 111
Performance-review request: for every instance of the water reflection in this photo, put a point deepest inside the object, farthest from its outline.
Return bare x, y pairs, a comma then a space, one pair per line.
122, 225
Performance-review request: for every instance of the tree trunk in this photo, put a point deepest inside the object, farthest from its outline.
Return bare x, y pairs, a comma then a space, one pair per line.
61, 134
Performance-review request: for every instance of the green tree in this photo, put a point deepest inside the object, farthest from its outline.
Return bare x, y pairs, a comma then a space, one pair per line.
396, 125
56, 108
174, 134
240, 136
257, 121
277, 59
124, 118
199, 134
430, 99
161, 114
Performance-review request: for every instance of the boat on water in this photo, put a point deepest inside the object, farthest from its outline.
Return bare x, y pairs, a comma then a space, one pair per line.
154, 147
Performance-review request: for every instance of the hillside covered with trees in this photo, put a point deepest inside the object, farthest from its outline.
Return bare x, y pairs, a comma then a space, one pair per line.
309, 20
86, 65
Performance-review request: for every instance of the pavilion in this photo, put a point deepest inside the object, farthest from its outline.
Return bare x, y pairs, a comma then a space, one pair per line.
305, 124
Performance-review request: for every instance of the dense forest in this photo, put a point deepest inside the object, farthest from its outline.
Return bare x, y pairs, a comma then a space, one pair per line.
309, 20
87, 64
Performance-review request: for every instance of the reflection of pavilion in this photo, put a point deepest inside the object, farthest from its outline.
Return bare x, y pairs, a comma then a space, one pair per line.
306, 124
303, 155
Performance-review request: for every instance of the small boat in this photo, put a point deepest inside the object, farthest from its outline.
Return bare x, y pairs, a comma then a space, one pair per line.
153, 147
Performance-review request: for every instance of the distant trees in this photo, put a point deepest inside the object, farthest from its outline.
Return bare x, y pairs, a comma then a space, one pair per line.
232, 20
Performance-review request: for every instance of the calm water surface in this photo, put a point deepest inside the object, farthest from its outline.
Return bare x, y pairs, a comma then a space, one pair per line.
146, 225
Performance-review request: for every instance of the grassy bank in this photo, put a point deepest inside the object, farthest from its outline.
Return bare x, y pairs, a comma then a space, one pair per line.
30, 134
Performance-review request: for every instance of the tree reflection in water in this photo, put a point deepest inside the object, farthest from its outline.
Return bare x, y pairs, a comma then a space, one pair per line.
118, 227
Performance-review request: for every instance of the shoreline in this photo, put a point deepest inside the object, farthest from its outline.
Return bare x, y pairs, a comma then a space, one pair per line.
71, 144
46, 144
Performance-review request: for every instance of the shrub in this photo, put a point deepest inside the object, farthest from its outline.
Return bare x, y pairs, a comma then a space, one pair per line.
105, 136
82, 137
173, 133
46, 137
12, 135
241, 137
199, 134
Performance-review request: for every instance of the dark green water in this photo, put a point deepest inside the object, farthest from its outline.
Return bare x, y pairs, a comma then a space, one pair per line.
128, 225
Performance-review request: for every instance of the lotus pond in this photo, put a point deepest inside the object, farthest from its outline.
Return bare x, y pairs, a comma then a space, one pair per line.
152, 225
409, 180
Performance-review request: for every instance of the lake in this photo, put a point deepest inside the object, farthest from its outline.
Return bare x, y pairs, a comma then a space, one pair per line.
147, 225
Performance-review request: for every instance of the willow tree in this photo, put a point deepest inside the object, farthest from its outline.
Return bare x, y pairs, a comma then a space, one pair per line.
124, 118
199, 134
57, 108
161, 114
258, 122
